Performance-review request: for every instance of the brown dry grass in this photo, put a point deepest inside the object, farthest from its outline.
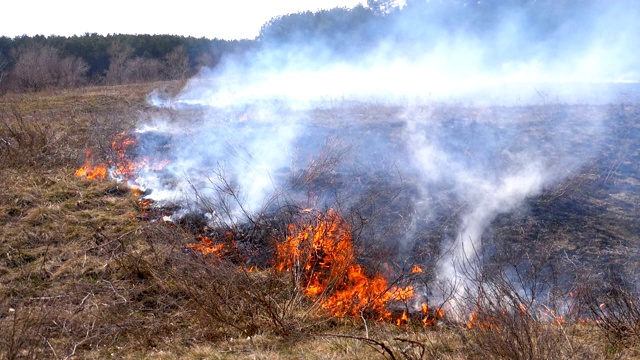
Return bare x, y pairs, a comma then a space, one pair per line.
81, 276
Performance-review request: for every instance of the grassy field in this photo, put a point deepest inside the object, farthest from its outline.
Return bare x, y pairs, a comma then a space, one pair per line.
85, 274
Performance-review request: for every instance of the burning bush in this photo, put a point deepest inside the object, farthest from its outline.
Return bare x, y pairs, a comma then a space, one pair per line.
318, 253
320, 256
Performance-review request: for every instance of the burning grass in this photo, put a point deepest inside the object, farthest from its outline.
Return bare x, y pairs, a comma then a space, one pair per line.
89, 269
321, 257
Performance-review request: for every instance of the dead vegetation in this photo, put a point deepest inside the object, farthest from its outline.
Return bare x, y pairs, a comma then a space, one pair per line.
81, 276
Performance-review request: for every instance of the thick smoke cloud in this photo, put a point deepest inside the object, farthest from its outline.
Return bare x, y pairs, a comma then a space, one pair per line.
440, 53
249, 125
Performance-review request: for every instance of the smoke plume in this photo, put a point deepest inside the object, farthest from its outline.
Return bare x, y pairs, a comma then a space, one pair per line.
418, 105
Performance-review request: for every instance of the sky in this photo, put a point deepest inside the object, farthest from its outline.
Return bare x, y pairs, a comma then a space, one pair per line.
222, 19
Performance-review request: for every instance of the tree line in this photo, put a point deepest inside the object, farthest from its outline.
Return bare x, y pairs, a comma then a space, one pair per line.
34, 63
419, 24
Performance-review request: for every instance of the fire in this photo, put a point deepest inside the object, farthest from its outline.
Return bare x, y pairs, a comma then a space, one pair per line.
486, 321
225, 247
402, 294
137, 192
206, 246
122, 165
90, 171
489, 321
321, 256
483, 323
553, 317
145, 203
523, 309
403, 320
473, 320
321, 253
430, 318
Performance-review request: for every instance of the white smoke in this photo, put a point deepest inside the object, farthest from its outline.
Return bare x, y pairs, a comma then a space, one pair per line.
226, 162
251, 115
508, 65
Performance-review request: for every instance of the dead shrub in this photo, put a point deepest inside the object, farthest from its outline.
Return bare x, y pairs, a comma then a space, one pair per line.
21, 334
234, 300
617, 313
24, 142
502, 330
519, 315
221, 296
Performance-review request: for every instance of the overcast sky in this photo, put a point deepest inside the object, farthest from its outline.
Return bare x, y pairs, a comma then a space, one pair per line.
224, 19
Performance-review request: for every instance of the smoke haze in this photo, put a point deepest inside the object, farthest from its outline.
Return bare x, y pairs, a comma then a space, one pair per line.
248, 127
434, 53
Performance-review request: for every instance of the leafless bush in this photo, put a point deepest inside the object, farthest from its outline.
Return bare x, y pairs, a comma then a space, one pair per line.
140, 69
207, 60
503, 328
231, 300
243, 302
617, 312
45, 321
119, 54
393, 349
30, 141
21, 336
39, 67
176, 64
223, 297
125, 68
519, 315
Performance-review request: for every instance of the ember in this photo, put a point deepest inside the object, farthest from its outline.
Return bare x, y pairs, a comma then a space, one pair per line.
207, 246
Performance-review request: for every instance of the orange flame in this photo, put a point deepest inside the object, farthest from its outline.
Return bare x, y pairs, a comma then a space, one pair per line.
321, 256
125, 167
403, 320
122, 166
403, 294
137, 192
486, 322
90, 171
207, 246
554, 317
492, 322
145, 203
322, 253
430, 318
473, 320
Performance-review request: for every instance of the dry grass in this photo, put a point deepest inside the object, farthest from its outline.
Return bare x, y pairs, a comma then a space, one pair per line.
81, 276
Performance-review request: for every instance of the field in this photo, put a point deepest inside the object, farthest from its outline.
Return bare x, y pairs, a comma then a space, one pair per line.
89, 269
